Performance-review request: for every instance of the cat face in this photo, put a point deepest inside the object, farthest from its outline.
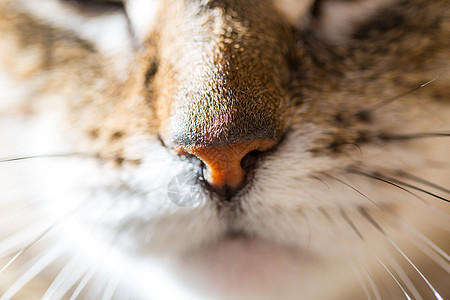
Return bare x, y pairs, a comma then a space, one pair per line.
240, 140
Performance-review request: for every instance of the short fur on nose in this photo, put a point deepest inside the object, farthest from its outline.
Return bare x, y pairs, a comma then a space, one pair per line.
219, 90
223, 163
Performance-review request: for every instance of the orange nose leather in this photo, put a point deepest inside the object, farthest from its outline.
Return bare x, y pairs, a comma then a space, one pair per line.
223, 163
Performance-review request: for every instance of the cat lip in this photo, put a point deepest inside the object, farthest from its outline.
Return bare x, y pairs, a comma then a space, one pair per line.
240, 245
237, 260
246, 240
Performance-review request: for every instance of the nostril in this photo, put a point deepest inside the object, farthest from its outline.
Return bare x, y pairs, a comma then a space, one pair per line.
225, 165
249, 160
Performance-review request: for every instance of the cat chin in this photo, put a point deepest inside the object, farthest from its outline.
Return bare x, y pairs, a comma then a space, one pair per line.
239, 266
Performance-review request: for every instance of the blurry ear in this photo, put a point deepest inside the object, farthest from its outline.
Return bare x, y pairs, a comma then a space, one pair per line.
336, 20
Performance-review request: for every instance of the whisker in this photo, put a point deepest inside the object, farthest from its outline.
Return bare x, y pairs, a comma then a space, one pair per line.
390, 100
440, 257
372, 283
353, 188
437, 211
423, 181
15, 191
366, 215
424, 239
84, 281
400, 182
400, 272
370, 279
37, 267
308, 244
393, 277
352, 225
403, 276
321, 180
11, 159
432, 255
17, 214
20, 237
353, 144
89, 272
338, 231
361, 282
98, 284
426, 246
15, 241
66, 278
327, 216
412, 136
111, 288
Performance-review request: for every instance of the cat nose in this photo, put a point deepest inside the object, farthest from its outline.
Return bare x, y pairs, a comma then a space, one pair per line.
223, 163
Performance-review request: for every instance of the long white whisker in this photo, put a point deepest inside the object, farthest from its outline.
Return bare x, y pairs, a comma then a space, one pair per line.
17, 240
10, 245
23, 213
397, 267
37, 267
16, 192
372, 283
84, 281
358, 233
19, 158
432, 255
68, 276
367, 273
439, 256
393, 277
111, 288
95, 289
425, 240
403, 276
363, 285
388, 238
72, 272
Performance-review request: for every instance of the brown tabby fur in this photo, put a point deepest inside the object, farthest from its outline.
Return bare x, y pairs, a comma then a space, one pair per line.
218, 72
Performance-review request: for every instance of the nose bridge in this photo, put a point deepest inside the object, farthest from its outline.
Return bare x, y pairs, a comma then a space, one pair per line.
225, 107
221, 74
228, 85
222, 68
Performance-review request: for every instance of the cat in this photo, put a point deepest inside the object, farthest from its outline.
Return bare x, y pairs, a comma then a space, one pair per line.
224, 149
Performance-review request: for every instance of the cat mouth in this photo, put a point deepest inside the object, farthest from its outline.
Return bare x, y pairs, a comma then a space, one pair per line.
236, 245
238, 260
